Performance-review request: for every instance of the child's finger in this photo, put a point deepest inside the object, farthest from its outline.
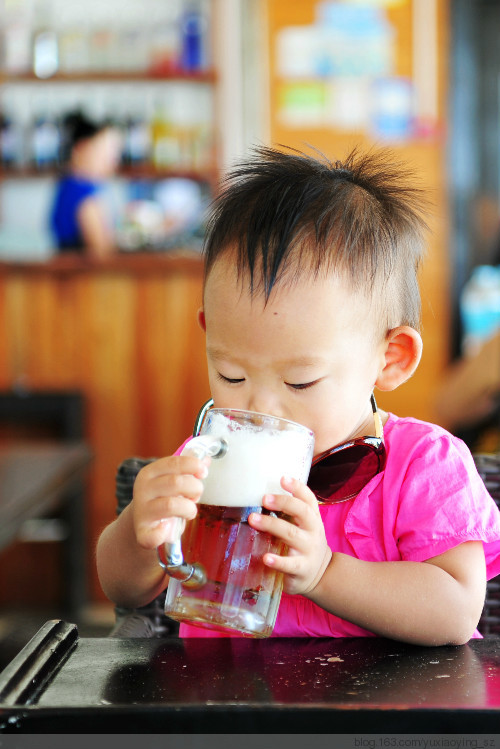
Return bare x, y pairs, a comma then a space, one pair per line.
173, 485
303, 514
166, 507
300, 490
174, 465
154, 526
289, 565
150, 537
291, 534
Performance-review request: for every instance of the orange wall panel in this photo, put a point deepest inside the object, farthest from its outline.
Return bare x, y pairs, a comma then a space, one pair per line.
425, 155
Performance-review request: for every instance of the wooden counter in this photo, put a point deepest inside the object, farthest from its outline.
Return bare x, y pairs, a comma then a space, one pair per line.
138, 263
124, 332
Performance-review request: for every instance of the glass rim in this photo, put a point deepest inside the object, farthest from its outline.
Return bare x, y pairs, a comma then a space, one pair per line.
207, 409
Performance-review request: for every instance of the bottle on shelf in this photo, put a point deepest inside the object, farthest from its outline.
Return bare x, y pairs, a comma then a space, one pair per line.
74, 50
164, 49
193, 38
133, 46
164, 143
480, 307
11, 145
16, 31
137, 141
45, 142
100, 49
45, 54
45, 50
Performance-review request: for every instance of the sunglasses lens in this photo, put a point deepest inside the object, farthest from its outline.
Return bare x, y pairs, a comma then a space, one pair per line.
343, 474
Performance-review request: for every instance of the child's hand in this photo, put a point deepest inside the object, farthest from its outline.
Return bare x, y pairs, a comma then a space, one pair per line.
309, 554
169, 487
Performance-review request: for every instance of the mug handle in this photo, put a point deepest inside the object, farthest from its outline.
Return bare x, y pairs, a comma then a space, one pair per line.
169, 553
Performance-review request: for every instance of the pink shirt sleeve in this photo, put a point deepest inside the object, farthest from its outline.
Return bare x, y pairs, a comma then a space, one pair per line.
442, 500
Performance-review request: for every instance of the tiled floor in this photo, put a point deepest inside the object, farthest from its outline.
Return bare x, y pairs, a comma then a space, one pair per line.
17, 627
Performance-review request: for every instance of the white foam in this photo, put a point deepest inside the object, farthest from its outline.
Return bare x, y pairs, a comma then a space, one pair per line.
254, 463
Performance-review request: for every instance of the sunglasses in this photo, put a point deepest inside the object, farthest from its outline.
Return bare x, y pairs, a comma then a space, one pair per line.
338, 474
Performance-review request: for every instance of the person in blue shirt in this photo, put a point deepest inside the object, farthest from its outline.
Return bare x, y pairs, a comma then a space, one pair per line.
78, 217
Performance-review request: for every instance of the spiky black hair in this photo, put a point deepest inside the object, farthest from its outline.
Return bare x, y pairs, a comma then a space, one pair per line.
286, 212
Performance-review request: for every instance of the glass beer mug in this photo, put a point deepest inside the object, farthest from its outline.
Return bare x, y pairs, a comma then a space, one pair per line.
217, 577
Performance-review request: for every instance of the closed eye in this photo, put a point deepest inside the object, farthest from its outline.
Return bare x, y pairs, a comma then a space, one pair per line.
301, 385
230, 380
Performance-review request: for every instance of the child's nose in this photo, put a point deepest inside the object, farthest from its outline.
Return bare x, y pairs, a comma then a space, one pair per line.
266, 403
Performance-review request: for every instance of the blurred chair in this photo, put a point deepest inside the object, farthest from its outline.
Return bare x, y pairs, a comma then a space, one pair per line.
43, 414
150, 620
34, 416
488, 466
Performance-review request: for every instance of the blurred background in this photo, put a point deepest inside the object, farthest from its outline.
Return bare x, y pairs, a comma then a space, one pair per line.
190, 86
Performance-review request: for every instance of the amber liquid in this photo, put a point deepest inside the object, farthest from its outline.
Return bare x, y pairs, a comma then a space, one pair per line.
241, 593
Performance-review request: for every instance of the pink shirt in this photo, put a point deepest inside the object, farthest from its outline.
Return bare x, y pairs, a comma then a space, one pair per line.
428, 500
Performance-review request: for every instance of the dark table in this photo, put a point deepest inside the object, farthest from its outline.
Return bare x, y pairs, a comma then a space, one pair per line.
60, 683
35, 480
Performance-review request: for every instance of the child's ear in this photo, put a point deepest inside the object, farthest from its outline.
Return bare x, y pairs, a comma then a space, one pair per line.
201, 320
403, 349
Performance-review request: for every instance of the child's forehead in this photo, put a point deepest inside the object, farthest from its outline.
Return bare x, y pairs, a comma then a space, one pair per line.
226, 275
313, 317
229, 292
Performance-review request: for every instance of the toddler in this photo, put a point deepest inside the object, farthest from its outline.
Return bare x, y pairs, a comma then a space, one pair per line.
79, 220
310, 303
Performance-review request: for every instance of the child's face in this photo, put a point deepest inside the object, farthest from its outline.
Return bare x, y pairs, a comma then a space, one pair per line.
99, 156
311, 355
